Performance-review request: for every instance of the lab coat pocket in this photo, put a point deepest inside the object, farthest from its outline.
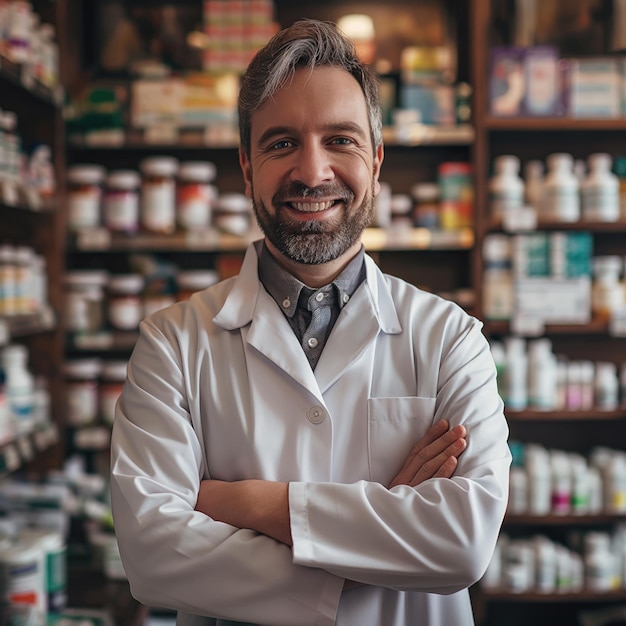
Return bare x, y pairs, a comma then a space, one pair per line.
395, 425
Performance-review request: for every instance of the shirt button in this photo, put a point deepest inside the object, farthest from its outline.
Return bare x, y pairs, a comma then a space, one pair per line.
312, 342
316, 414
319, 296
346, 297
286, 303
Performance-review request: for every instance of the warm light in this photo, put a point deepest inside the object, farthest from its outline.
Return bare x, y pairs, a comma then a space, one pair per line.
360, 29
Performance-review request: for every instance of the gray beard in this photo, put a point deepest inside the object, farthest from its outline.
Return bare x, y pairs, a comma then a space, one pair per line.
313, 242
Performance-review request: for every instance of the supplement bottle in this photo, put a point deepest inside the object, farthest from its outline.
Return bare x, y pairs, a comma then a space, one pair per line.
120, 208
19, 385
81, 377
158, 195
506, 188
84, 196
125, 306
600, 191
561, 189
195, 194
607, 294
426, 197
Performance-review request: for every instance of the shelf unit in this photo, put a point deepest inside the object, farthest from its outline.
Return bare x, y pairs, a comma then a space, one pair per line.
40, 225
576, 431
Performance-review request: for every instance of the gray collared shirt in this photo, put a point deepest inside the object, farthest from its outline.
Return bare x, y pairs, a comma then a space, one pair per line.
311, 313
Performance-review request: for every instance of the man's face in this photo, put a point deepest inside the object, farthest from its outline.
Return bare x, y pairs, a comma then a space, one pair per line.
312, 173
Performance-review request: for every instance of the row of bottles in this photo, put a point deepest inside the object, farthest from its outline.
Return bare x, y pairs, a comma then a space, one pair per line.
569, 191
531, 376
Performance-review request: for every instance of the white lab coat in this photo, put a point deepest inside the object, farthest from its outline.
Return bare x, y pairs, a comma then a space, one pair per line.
219, 387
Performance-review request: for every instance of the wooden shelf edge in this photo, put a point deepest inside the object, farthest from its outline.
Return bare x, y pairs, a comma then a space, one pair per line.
552, 123
563, 520
591, 414
493, 595
597, 326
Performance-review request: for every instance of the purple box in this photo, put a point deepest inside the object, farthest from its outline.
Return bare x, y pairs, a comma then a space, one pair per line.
507, 86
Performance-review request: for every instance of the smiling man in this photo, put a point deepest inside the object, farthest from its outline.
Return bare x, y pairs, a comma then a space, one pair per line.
312, 441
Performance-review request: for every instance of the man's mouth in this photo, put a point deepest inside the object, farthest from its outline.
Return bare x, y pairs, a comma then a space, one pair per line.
312, 207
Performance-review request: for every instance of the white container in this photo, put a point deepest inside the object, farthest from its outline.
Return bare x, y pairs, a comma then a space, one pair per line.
516, 374
120, 207
190, 281
599, 562
84, 300
607, 294
506, 188
542, 375
84, 196
606, 387
125, 307
561, 189
19, 386
81, 377
600, 190
518, 491
232, 213
615, 484
195, 194
158, 195
539, 481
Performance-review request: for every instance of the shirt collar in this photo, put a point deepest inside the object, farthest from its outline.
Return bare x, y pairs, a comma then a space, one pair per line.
285, 288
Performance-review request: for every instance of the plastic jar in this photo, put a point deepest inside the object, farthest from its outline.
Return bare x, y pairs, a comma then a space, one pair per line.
426, 198
84, 300
190, 281
84, 195
158, 195
111, 384
120, 207
232, 213
195, 194
506, 187
125, 308
607, 294
81, 376
600, 190
561, 197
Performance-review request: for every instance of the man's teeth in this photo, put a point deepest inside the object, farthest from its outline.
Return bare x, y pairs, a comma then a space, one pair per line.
313, 207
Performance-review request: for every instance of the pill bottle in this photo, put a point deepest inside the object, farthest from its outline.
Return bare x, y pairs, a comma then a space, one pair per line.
158, 195
120, 206
401, 211
606, 386
620, 171
125, 307
84, 300
506, 187
607, 293
111, 384
19, 386
561, 189
195, 194
81, 379
600, 190
84, 196
190, 281
232, 213
426, 198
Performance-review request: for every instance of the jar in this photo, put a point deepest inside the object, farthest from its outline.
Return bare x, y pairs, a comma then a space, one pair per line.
111, 384
190, 281
84, 194
158, 195
120, 207
426, 205
81, 377
607, 293
125, 309
84, 300
195, 194
153, 302
232, 213
401, 209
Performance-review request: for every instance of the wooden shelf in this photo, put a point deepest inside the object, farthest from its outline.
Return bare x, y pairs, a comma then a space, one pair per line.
27, 324
104, 341
592, 415
16, 453
13, 73
551, 225
374, 239
563, 520
579, 596
566, 124
597, 326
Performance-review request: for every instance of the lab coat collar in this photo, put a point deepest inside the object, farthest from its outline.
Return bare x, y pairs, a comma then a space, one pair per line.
240, 305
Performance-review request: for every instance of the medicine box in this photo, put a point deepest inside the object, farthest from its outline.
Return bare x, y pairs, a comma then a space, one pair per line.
595, 88
507, 85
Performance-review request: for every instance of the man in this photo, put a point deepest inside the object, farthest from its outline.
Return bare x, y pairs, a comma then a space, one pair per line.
311, 442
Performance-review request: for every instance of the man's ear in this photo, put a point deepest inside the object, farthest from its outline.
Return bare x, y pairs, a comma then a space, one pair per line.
246, 168
378, 161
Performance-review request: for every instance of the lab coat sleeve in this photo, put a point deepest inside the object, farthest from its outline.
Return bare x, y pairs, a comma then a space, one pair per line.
439, 536
174, 556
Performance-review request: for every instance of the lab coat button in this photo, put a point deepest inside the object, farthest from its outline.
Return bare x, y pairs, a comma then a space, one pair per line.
286, 303
316, 414
312, 342
319, 296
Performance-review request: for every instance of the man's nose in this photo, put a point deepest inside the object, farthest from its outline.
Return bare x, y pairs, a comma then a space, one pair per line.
313, 166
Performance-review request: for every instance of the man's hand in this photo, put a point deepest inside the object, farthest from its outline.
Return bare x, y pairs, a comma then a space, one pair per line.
433, 456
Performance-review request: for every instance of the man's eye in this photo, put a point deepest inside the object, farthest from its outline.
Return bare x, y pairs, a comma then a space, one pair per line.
343, 141
281, 145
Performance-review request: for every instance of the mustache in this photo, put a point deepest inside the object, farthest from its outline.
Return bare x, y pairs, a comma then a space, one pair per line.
298, 190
